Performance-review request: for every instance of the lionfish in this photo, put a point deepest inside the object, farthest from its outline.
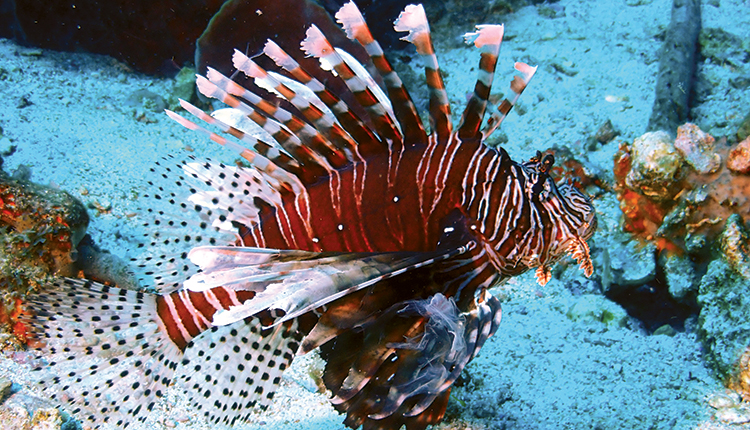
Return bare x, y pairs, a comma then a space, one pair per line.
358, 234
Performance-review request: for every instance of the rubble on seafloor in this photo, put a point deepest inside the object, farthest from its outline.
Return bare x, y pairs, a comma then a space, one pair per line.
687, 200
683, 244
21, 410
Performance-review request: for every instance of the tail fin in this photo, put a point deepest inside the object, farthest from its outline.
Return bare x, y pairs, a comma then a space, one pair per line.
108, 356
111, 353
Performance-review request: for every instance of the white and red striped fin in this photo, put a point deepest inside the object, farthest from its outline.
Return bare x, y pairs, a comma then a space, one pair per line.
353, 126
107, 355
487, 38
307, 103
267, 148
517, 86
280, 175
356, 78
231, 371
292, 133
414, 21
351, 19
297, 282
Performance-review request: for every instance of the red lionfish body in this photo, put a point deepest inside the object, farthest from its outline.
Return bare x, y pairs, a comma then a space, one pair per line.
366, 238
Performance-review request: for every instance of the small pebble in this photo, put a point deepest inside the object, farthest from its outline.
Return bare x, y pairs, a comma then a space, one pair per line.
34, 52
722, 400
606, 132
5, 385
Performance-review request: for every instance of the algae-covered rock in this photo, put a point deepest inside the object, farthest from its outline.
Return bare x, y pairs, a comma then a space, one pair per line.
721, 46
39, 230
740, 381
724, 322
655, 166
743, 132
183, 88
680, 275
628, 263
724, 297
735, 246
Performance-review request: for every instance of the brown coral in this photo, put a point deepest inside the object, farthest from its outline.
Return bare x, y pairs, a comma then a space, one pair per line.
740, 381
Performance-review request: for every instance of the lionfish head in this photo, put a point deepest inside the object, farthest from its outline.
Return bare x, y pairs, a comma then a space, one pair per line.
558, 222
572, 217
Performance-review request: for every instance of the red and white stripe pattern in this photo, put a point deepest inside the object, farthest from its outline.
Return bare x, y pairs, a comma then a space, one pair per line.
185, 314
414, 21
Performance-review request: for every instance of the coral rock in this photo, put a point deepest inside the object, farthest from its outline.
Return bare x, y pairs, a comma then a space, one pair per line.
679, 209
697, 147
739, 157
740, 381
680, 275
655, 166
735, 246
39, 230
724, 297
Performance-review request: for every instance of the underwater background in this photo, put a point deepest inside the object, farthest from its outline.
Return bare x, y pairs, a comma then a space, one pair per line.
657, 338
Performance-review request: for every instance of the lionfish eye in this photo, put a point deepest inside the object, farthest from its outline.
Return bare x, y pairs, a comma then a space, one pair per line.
543, 166
547, 162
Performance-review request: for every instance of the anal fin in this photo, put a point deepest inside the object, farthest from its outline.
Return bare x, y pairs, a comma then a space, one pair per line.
232, 370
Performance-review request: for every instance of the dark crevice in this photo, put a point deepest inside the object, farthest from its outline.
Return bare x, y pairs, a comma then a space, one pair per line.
652, 305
